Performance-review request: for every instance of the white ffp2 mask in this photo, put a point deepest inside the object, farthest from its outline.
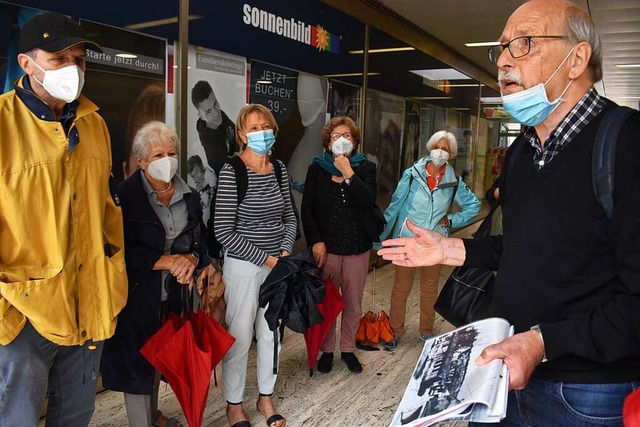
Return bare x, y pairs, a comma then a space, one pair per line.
342, 146
64, 83
163, 169
438, 157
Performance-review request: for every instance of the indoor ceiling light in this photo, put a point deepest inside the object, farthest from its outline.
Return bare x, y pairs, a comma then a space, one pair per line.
159, 22
627, 65
383, 50
491, 100
126, 55
461, 85
432, 97
441, 74
482, 44
349, 75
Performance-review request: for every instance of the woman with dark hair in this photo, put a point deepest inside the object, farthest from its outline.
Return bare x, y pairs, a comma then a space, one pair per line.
337, 215
254, 230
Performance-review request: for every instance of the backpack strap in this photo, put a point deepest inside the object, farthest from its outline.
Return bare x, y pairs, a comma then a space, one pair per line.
242, 178
276, 169
604, 156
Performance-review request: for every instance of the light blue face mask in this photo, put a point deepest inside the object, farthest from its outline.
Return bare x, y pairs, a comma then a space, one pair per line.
261, 141
531, 106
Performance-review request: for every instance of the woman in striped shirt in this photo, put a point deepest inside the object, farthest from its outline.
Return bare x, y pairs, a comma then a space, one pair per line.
254, 234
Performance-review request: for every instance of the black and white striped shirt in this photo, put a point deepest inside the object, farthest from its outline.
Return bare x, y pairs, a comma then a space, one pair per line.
263, 224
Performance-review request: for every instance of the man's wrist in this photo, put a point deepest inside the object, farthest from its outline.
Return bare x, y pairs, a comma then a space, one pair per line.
536, 329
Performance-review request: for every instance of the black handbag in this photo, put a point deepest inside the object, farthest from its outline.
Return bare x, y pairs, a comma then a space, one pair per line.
466, 295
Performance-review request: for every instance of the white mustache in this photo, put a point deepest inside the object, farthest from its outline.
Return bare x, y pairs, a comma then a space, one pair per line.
509, 76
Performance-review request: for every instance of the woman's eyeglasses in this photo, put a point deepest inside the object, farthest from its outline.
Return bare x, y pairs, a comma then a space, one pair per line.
336, 136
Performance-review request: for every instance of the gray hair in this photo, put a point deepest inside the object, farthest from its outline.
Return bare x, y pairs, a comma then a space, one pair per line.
453, 143
580, 28
151, 133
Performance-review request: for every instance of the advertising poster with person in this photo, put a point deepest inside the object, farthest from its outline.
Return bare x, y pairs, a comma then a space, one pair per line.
128, 83
345, 101
217, 92
298, 102
383, 138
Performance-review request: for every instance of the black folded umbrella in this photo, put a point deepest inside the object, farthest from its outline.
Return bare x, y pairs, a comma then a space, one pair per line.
293, 291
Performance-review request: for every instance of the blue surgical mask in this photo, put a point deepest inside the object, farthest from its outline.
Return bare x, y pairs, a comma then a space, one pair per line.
261, 141
531, 106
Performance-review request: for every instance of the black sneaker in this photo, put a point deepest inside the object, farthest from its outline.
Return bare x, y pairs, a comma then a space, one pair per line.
391, 345
352, 362
325, 362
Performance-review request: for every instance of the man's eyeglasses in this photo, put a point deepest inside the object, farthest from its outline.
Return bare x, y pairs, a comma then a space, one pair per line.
518, 47
336, 136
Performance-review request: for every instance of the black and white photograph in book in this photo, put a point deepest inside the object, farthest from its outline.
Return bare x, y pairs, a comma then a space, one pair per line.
446, 383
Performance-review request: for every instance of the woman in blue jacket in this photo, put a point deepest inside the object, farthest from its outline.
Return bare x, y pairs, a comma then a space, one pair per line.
425, 194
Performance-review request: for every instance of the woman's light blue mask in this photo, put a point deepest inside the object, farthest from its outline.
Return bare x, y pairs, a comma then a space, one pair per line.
531, 106
261, 141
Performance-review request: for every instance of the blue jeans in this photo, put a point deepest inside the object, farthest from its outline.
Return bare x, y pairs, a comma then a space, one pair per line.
546, 403
30, 365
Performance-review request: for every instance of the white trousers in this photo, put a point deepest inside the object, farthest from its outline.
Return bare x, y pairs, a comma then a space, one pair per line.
244, 317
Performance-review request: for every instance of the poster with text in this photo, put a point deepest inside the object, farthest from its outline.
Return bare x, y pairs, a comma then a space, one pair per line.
298, 102
217, 92
383, 138
128, 83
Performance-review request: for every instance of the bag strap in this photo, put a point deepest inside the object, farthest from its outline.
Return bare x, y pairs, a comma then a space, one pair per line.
242, 178
604, 156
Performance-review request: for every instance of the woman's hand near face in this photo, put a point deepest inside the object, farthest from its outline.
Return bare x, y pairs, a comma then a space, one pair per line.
183, 268
343, 164
319, 253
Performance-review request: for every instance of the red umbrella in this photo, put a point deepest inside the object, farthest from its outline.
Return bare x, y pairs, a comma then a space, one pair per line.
329, 308
631, 410
185, 350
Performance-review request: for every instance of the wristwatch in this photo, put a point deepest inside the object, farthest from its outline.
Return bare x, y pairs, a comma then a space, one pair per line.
348, 180
536, 328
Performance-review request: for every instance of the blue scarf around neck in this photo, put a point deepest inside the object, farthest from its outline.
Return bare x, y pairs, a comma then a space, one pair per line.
326, 162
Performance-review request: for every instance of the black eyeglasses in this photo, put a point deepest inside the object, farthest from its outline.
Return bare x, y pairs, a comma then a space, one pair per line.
518, 47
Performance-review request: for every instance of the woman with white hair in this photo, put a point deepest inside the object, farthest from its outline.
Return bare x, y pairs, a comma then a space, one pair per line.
425, 194
164, 245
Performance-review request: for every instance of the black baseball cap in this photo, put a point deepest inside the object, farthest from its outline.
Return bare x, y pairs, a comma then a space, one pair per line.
52, 32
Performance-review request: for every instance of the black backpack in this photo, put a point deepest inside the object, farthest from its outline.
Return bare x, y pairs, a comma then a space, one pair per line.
604, 155
242, 182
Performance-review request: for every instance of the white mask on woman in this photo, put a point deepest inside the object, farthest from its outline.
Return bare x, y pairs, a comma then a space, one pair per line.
163, 169
342, 146
438, 157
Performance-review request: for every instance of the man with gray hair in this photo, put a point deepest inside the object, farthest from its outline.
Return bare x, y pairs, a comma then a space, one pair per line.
568, 276
62, 275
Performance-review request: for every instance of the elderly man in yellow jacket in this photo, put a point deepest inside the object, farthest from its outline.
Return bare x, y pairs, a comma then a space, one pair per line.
62, 275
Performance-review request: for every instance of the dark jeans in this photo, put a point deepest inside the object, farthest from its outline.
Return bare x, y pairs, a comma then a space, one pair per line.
30, 365
546, 403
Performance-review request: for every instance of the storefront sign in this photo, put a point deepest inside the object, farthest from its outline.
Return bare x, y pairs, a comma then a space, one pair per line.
220, 64
122, 59
312, 35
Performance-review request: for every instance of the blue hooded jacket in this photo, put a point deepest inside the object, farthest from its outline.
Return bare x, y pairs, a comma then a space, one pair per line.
413, 199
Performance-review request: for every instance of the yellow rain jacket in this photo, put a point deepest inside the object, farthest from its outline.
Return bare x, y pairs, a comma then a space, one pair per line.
61, 238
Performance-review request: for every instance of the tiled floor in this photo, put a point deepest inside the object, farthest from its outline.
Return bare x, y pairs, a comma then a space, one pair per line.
339, 398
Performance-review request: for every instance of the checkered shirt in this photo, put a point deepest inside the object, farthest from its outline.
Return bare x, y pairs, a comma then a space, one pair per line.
589, 106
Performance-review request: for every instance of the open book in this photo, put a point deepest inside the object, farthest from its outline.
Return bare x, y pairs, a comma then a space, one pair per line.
448, 385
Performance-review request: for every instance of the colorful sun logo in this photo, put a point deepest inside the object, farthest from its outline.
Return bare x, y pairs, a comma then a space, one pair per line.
322, 40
